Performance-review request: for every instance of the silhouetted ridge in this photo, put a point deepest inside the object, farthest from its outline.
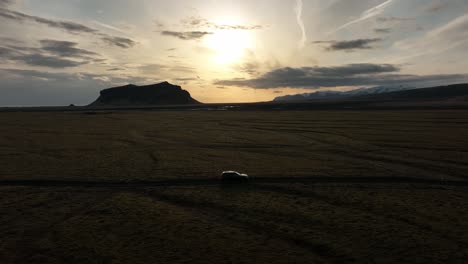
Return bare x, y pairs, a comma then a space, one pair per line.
376, 94
156, 94
454, 91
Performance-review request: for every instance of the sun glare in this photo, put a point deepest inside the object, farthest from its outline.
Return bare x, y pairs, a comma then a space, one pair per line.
229, 45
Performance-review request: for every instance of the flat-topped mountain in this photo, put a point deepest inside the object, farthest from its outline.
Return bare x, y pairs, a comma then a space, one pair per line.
156, 94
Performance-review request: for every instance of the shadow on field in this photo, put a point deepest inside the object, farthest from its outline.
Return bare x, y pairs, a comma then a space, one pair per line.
211, 182
356, 206
254, 220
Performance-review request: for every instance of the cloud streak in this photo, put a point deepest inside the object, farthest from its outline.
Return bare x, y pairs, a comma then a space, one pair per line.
387, 19
370, 13
186, 35
67, 26
452, 35
200, 22
349, 45
65, 49
51, 54
383, 30
201, 27
120, 42
300, 23
70, 27
48, 61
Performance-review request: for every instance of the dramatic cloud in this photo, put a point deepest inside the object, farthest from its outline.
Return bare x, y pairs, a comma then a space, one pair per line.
190, 35
349, 45
48, 61
68, 26
119, 42
65, 49
65, 77
348, 75
250, 67
52, 54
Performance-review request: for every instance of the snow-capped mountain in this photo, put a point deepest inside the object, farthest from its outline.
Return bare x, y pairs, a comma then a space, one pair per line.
338, 94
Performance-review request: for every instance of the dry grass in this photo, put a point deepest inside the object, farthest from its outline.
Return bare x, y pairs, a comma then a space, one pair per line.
245, 224
162, 145
336, 222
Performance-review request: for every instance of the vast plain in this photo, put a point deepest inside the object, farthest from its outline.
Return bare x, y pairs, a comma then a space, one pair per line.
142, 187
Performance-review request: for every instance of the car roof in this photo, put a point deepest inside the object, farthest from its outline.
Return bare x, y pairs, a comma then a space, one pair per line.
230, 172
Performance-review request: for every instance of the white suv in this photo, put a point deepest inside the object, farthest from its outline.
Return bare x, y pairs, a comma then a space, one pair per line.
234, 176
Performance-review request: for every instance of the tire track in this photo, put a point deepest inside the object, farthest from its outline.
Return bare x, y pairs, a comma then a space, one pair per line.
215, 181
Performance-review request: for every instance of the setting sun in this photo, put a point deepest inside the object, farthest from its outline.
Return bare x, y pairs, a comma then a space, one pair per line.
229, 45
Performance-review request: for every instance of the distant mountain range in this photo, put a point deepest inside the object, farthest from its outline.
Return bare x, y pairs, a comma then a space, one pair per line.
156, 94
325, 95
450, 96
450, 93
166, 94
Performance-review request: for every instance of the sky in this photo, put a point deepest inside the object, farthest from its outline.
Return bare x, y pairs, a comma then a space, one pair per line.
56, 52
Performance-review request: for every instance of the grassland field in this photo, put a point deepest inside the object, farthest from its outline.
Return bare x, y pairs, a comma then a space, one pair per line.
288, 221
